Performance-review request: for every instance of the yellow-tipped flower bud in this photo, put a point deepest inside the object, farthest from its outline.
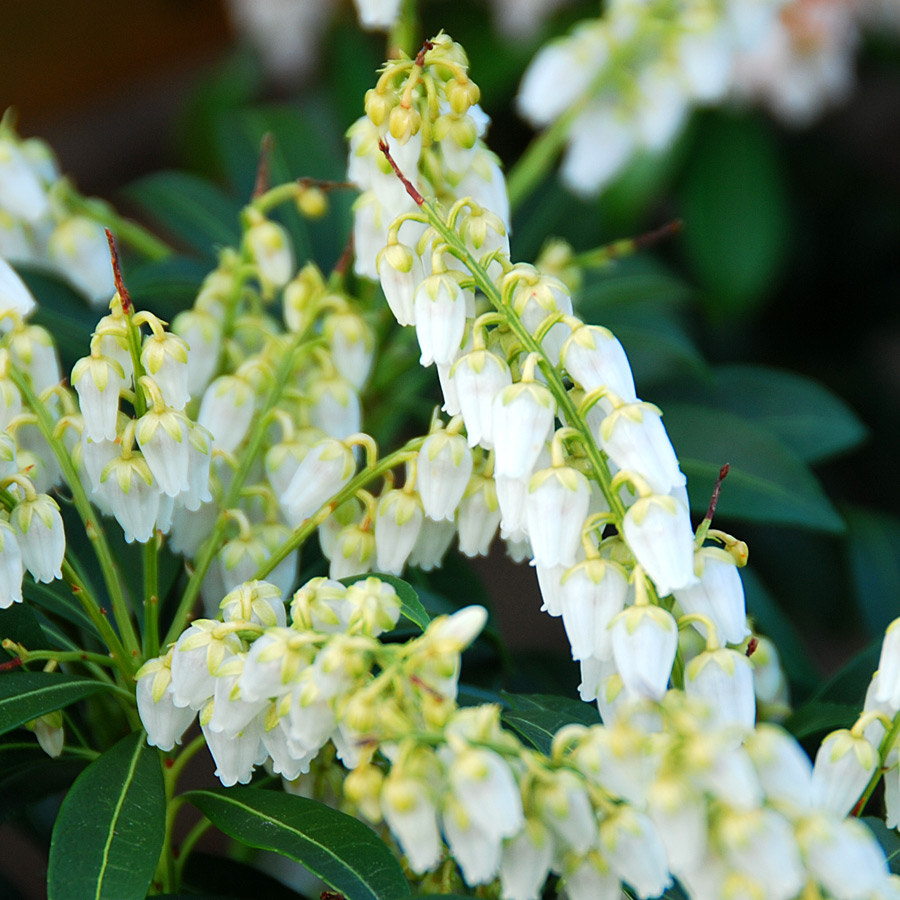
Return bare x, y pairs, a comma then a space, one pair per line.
312, 203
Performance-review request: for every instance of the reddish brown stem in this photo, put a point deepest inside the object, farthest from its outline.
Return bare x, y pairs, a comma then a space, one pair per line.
420, 56
410, 187
717, 489
124, 296
659, 234
11, 664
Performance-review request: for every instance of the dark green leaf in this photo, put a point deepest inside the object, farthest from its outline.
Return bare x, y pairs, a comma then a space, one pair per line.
19, 623
110, 830
58, 599
166, 286
850, 683
33, 780
410, 605
31, 694
767, 481
191, 209
342, 851
735, 211
222, 877
63, 311
873, 538
773, 623
537, 717
818, 716
630, 286
806, 416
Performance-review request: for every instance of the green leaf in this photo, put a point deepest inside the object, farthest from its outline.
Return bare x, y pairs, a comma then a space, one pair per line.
166, 286
537, 717
873, 538
850, 683
410, 605
27, 695
63, 311
37, 776
58, 599
805, 415
191, 209
19, 623
110, 830
342, 851
773, 623
818, 716
216, 876
767, 481
735, 210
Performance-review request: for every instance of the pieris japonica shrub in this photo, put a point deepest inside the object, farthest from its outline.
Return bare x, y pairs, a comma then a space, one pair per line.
206, 558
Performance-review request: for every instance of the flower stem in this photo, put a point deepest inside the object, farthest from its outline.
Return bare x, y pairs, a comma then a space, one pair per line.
884, 748
94, 531
151, 598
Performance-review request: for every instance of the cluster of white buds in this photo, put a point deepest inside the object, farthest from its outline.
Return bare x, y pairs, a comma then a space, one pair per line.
271, 689
565, 448
427, 112
37, 224
32, 537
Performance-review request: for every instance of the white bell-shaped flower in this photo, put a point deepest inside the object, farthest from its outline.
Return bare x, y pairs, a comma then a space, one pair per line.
79, 248
658, 532
432, 544
164, 722
555, 509
537, 297
525, 862
565, 808
352, 346
273, 664
635, 439
475, 850
335, 407
111, 340
398, 522
478, 377
11, 567
443, 468
255, 601
196, 657
844, 764
21, 192
484, 786
680, 814
164, 356
718, 594
235, 755
760, 844
199, 453
163, 436
593, 880
411, 814
226, 411
202, 332
14, 295
377, 15
888, 690
478, 517
33, 349
440, 310
285, 761
724, 679
784, 769
644, 641
523, 416
353, 552
400, 271
635, 851
369, 235
231, 713
592, 594
41, 536
843, 855
271, 250
594, 358
601, 141
133, 494
98, 382
327, 467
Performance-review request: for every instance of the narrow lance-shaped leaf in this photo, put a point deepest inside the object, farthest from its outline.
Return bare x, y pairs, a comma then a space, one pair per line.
25, 696
110, 830
346, 854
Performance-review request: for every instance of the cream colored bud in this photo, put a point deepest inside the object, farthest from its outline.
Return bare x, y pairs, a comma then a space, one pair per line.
378, 106
312, 203
404, 122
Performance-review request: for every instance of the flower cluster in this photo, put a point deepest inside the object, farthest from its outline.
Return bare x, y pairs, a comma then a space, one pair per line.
38, 224
625, 82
